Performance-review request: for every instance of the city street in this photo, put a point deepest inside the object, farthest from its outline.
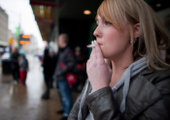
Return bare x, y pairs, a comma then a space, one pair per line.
19, 102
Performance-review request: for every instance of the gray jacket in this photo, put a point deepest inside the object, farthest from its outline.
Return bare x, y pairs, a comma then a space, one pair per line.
65, 63
148, 99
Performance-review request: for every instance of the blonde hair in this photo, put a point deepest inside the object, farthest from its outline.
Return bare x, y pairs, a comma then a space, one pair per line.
152, 33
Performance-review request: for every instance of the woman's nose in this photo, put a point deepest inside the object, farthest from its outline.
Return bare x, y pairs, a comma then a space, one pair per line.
96, 32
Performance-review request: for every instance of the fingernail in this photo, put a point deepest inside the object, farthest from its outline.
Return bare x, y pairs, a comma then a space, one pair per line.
92, 42
95, 41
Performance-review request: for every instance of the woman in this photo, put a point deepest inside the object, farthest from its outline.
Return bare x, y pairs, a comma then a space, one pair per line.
23, 67
135, 86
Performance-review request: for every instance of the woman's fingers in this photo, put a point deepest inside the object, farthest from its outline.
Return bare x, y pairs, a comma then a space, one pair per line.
97, 71
98, 52
93, 55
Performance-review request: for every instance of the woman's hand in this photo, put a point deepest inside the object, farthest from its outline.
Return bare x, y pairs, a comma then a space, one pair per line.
98, 71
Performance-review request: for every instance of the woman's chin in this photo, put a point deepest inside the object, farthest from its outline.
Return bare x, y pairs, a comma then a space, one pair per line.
106, 56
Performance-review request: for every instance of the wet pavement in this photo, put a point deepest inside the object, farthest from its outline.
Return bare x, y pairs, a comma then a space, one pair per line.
19, 102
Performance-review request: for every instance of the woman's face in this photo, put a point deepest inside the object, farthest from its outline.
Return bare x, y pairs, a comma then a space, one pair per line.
112, 42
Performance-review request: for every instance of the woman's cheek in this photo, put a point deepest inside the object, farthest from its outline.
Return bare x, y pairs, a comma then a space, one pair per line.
105, 51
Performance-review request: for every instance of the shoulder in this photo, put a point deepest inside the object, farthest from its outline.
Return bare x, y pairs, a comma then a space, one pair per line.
147, 91
68, 49
151, 81
159, 79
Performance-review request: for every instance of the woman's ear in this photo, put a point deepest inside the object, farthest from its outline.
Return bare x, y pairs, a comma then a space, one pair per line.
136, 30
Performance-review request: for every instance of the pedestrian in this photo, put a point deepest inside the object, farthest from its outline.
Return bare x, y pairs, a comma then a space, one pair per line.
23, 67
65, 64
79, 69
15, 65
48, 65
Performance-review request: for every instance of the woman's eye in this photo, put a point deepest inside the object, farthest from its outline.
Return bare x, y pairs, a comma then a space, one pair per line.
107, 23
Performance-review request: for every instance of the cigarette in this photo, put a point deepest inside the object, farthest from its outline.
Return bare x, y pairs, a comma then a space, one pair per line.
92, 44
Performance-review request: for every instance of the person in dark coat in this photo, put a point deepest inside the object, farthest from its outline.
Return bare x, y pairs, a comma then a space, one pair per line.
65, 64
15, 65
48, 65
79, 70
127, 78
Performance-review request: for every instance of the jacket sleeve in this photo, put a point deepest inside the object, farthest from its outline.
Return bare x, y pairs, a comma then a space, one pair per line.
102, 104
74, 112
70, 62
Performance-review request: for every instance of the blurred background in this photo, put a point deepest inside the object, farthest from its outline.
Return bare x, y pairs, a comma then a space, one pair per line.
29, 26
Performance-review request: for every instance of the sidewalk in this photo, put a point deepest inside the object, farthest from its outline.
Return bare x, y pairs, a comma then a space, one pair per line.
5, 81
19, 102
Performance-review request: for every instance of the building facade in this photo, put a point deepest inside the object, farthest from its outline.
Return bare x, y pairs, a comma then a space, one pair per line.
3, 28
